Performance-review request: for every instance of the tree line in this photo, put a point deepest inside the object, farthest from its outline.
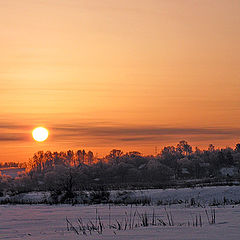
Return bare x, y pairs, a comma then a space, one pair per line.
77, 170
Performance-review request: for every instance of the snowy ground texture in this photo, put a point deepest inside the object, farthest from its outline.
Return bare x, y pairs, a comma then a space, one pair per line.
174, 221
203, 196
42, 222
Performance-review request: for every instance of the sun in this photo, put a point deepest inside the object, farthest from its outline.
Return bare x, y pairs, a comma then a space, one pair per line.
40, 134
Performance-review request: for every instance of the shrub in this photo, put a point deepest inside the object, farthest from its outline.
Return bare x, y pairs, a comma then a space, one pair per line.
100, 196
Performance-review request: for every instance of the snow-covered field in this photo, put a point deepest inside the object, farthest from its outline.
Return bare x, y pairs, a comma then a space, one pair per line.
173, 221
204, 196
42, 222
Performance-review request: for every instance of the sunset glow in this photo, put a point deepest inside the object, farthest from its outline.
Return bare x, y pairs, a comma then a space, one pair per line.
118, 74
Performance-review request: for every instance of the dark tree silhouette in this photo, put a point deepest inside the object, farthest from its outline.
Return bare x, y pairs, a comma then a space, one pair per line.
184, 148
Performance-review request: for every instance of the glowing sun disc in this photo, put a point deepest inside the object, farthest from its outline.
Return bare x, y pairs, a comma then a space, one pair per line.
40, 134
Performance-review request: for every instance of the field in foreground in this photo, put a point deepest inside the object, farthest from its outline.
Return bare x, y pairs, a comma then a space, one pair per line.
175, 222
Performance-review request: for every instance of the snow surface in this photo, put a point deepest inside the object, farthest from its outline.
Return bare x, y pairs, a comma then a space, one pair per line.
42, 222
204, 196
45, 222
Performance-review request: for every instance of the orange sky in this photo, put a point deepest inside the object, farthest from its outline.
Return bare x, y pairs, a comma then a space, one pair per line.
118, 74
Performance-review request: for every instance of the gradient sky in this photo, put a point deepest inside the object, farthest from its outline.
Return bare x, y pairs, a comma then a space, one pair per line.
129, 74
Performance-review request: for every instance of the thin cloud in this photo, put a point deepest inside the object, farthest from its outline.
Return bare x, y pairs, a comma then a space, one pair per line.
14, 137
74, 130
10, 125
114, 133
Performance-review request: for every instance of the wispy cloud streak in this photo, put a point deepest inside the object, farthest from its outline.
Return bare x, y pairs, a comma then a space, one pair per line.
116, 133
